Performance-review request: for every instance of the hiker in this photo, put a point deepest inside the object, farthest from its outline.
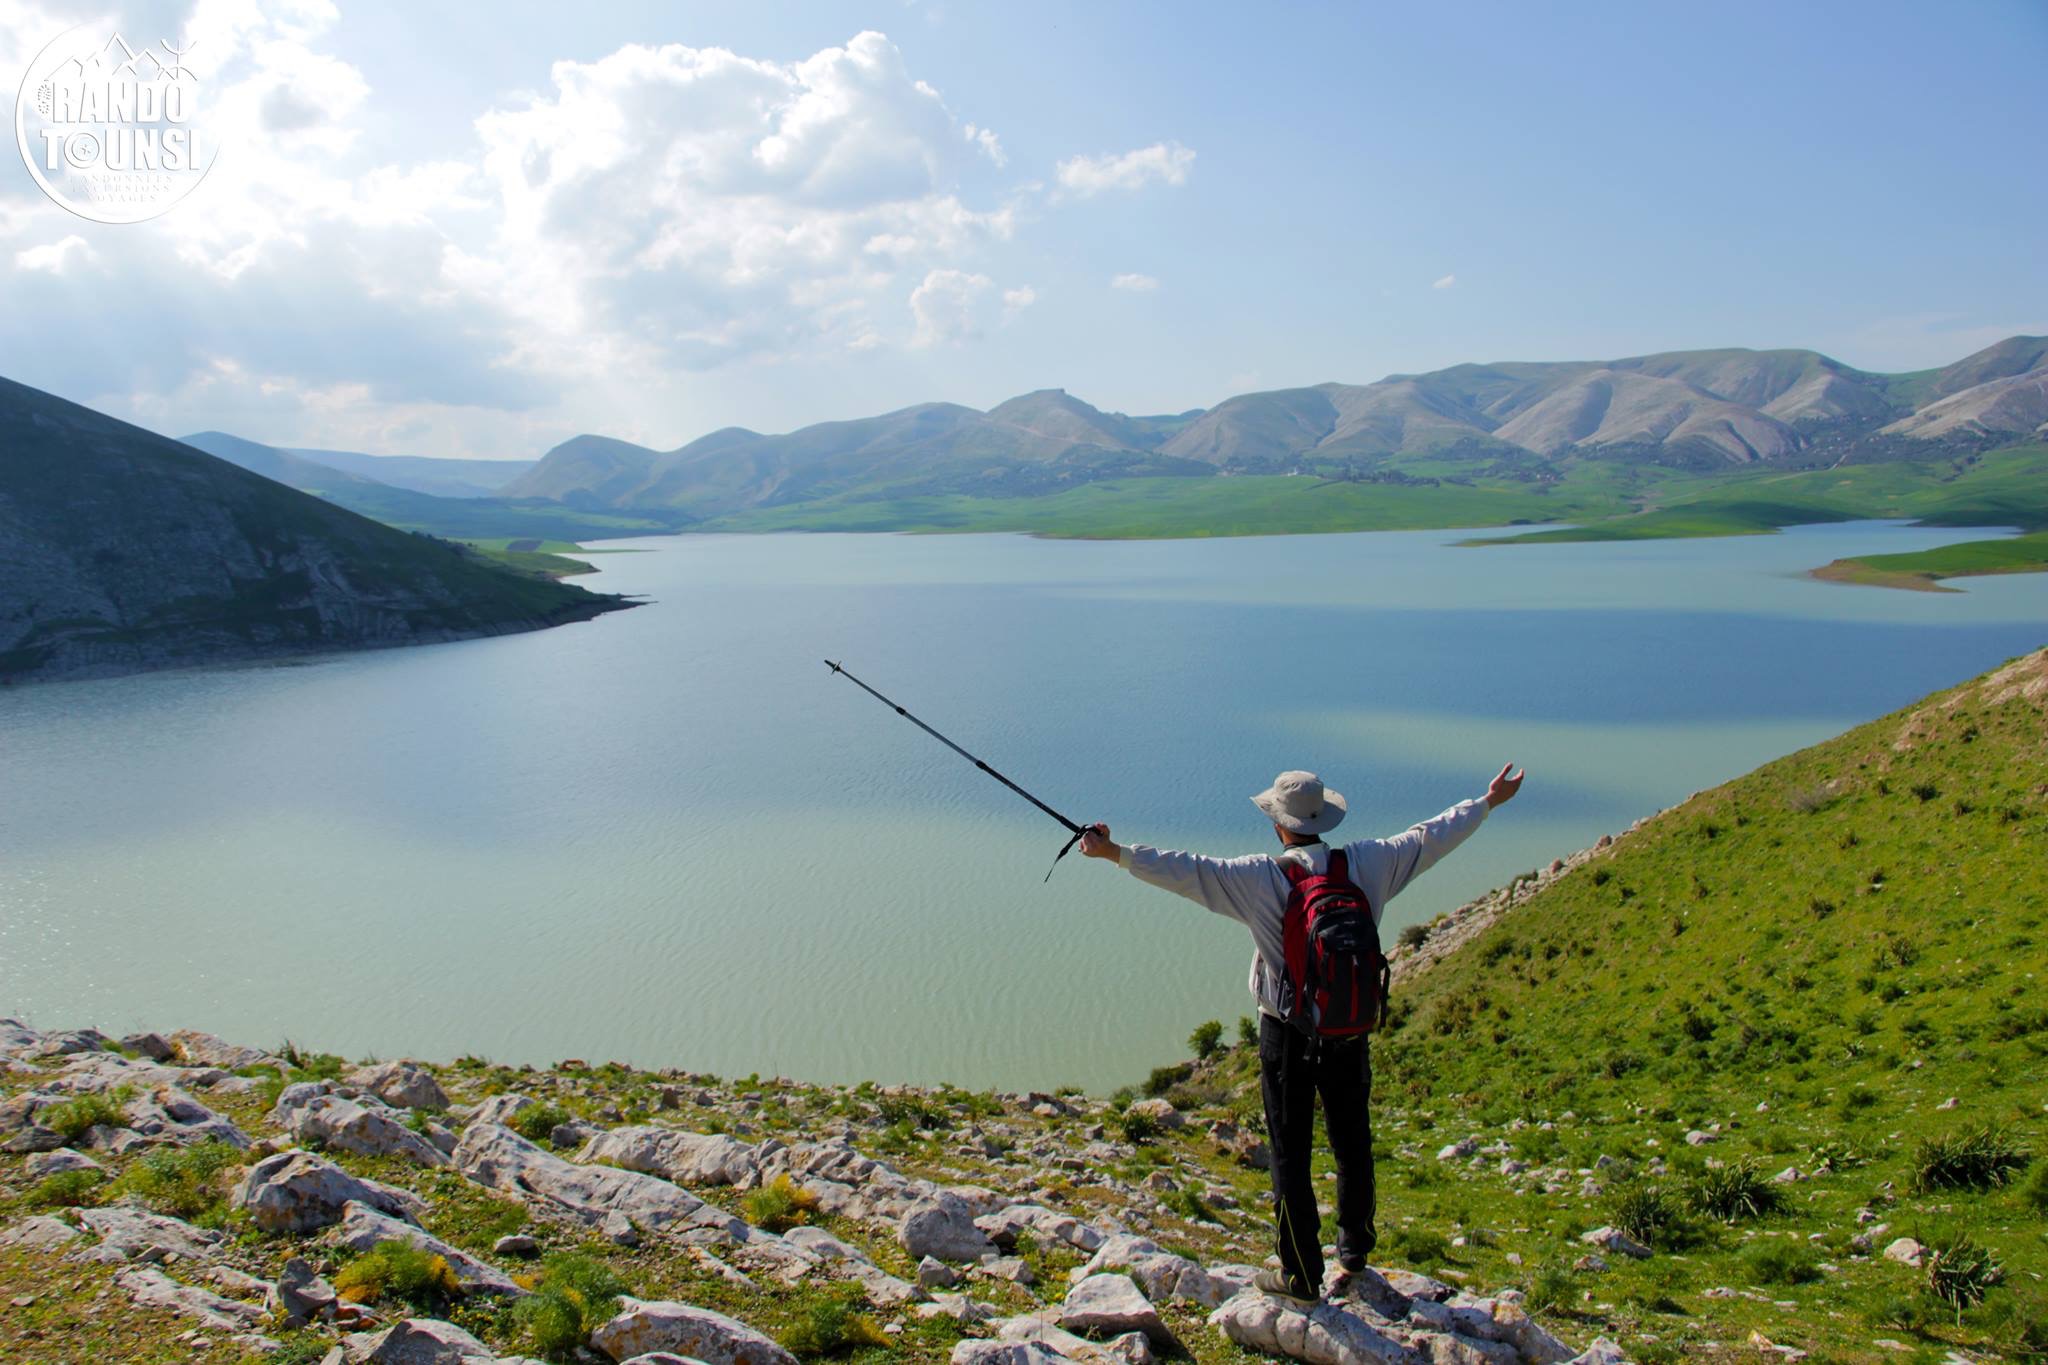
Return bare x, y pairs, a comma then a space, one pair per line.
1290, 900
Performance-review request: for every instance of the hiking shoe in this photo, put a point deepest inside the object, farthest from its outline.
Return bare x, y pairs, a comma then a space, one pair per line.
1275, 1284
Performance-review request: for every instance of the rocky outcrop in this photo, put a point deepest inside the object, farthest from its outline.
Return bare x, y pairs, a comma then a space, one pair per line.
401, 1084
300, 1192
493, 1155
370, 1129
127, 1233
416, 1341
698, 1333
1112, 1305
149, 1287
675, 1155
941, 1225
363, 1227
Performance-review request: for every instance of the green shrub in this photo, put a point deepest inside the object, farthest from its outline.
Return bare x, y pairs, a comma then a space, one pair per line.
1414, 936
2019, 1326
1732, 1192
2035, 1193
1976, 1159
1247, 1031
1420, 1247
1645, 1212
74, 1117
1165, 1078
66, 1189
1960, 1272
1207, 1038
780, 1204
1189, 1205
183, 1182
1137, 1127
573, 1295
1551, 1289
536, 1122
1780, 1261
830, 1325
398, 1271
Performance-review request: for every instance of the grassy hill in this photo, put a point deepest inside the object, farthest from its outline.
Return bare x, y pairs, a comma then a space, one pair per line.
120, 549
1833, 966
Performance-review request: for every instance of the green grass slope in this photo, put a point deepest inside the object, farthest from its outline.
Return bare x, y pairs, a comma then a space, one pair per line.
1923, 570
121, 549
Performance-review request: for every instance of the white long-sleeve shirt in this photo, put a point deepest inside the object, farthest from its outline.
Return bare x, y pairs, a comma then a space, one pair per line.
1253, 890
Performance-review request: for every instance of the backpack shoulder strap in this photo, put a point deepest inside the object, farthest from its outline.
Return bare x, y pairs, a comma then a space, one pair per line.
1294, 870
1340, 866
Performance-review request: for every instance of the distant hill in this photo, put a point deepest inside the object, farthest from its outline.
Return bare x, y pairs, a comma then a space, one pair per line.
1706, 411
422, 474
461, 517
123, 550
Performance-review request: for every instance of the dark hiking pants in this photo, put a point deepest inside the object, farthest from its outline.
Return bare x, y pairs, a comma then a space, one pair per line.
1292, 1072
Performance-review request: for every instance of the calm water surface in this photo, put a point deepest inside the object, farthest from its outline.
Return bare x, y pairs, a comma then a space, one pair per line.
669, 837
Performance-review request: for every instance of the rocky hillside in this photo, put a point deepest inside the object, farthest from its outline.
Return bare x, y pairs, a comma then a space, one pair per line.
180, 1197
121, 550
1708, 410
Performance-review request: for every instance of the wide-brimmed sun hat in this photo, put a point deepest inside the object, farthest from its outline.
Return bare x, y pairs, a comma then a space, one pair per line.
1299, 801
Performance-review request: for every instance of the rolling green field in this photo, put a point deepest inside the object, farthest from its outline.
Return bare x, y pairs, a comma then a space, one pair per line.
1924, 570
1174, 508
2002, 488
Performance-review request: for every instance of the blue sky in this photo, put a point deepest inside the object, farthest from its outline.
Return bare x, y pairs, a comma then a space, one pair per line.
480, 230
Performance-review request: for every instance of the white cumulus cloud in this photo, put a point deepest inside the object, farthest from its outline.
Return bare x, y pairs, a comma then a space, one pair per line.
55, 258
1445, 283
1134, 283
1164, 162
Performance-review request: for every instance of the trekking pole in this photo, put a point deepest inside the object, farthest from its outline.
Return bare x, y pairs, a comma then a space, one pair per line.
1076, 830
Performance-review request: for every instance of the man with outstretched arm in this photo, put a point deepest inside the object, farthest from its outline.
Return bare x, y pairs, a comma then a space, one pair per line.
1294, 1064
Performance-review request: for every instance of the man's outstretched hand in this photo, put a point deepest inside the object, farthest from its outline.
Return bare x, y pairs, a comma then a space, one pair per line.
1498, 792
1095, 842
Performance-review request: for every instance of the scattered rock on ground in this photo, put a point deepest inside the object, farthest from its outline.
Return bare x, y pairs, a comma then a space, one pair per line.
942, 1225
363, 1227
699, 1333
405, 1084
298, 1192
1111, 1304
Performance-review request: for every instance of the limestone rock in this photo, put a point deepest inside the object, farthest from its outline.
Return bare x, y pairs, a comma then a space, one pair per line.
128, 1233
148, 1287
1905, 1251
416, 1341
933, 1273
405, 1084
1158, 1272
151, 1045
362, 1227
1323, 1335
299, 1296
1376, 1292
1601, 1352
64, 1042
193, 1048
17, 1037
958, 1307
499, 1108
298, 1192
1160, 1111
1112, 1304
686, 1158
169, 1114
1002, 1227
713, 1338
40, 1233
495, 1156
367, 1129
1614, 1239
971, 1352
45, 1164
941, 1225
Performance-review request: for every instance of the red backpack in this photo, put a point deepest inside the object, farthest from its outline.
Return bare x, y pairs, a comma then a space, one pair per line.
1337, 977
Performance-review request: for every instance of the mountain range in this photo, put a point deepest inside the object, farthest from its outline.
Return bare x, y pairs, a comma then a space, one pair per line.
122, 550
1703, 410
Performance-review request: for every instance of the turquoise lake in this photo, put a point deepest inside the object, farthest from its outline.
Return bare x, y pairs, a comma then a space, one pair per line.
669, 837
